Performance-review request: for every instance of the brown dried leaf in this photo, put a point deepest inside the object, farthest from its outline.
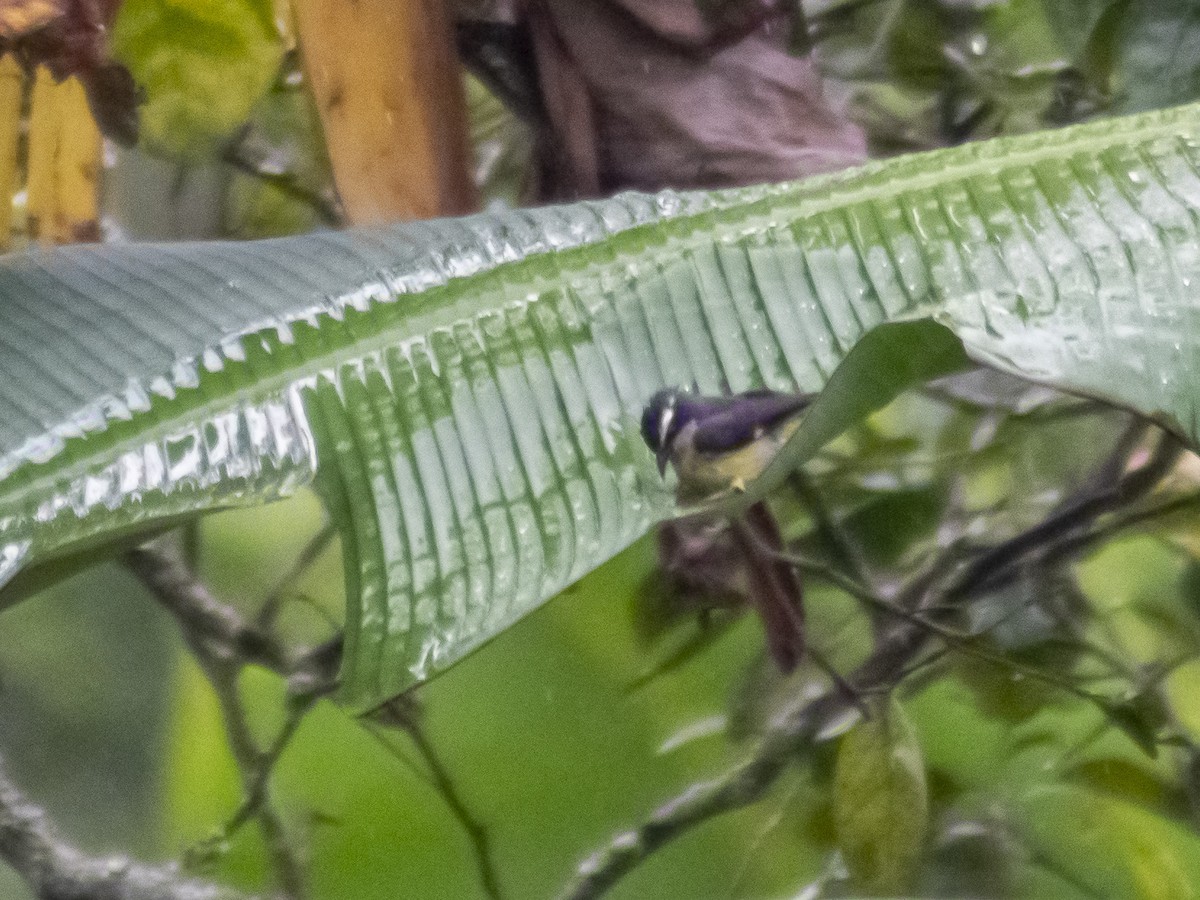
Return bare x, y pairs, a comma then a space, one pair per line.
652, 94
113, 97
69, 37
20, 17
704, 26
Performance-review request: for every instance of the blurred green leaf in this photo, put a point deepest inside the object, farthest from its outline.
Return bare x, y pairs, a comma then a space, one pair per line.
1134, 584
1123, 779
916, 38
1108, 847
1000, 692
881, 801
1101, 54
1142, 717
1075, 21
504, 148
1189, 589
927, 73
203, 65
884, 363
1158, 56
85, 697
281, 181
891, 522
970, 857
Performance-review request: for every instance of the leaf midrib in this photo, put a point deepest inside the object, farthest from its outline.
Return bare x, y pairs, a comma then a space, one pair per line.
792, 203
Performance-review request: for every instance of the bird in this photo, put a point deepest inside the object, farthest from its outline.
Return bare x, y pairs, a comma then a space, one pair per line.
719, 445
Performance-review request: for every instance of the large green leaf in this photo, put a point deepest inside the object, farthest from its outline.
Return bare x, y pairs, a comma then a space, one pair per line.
1156, 43
202, 64
881, 801
1107, 847
465, 395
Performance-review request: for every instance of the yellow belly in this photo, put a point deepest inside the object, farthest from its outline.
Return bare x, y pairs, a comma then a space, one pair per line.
704, 475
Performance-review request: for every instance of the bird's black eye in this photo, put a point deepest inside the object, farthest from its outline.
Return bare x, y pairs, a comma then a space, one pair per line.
657, 419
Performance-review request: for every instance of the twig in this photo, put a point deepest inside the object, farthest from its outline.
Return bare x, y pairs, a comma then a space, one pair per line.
56, 870
1076, 545
476, 831
285, 182
278, 594
1114, 466
217, 627
988, 570
882, 670
404, 713
255, 766
223, 643
222, 630
839, 544
963, 643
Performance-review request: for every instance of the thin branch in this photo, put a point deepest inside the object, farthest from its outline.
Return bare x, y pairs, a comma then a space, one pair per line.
217, 627
925, 598
278, 594
223, 643
476, 832
56, 870
967, 644
222, 631
837, 541
1076, 545
988, 570
1115, 465
255, 766
236, 155
404, 714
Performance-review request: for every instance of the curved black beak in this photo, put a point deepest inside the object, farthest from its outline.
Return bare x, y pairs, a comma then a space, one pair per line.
662, 456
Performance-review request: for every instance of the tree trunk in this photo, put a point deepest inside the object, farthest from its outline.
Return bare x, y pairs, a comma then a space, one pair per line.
389, 92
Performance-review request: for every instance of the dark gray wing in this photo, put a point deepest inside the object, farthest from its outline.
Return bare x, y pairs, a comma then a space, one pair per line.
736, 421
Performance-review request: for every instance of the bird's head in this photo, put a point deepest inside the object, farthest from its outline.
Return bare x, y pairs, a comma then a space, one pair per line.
661, 424
677, 424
